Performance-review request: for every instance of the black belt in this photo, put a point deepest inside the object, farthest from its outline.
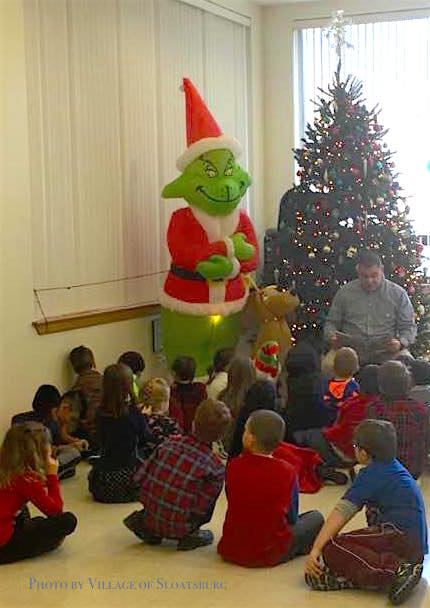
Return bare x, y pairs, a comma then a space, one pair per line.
183, 273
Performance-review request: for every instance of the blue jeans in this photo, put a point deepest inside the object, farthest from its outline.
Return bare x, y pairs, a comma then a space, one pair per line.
304, 532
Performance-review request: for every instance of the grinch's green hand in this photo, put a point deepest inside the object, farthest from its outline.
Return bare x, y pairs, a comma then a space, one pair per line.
216, 267
242, 250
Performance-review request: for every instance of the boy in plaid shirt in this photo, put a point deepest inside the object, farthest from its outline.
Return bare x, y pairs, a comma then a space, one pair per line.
409, 418
181, 482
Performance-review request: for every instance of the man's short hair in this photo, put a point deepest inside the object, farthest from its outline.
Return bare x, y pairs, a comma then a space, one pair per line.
211, 420
393, 380
378, 438
346, 362
369, 258
82, 359
268, 429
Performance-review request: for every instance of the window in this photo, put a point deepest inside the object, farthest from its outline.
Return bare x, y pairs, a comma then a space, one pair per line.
392, 59
106, 124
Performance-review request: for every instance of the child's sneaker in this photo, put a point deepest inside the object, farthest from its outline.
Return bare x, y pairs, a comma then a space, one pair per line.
197, 539
327, 581
406, 578
134, 522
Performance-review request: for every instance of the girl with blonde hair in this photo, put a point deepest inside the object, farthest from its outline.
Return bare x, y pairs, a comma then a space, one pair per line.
154, 398
28, 473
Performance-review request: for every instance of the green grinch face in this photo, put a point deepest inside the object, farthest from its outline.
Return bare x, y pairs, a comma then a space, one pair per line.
214, 183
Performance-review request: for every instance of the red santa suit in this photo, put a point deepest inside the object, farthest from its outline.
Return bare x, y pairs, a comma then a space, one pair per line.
194, 236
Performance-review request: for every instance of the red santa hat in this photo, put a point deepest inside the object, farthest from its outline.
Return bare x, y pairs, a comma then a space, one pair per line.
203, 132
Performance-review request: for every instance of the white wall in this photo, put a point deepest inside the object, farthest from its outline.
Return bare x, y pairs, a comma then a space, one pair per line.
278, 24
26, 359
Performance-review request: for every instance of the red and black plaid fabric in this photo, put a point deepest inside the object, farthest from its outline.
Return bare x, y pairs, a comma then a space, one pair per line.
179, 482
411, 421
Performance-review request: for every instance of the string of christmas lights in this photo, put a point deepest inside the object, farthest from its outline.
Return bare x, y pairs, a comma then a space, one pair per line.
349, 198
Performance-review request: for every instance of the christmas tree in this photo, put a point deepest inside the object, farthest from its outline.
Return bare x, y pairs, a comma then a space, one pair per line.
348, 198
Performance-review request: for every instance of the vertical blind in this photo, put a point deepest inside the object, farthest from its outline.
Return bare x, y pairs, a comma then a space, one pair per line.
392, 59
106, 124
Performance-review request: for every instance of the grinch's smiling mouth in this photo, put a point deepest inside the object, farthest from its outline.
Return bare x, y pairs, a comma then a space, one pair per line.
217, 200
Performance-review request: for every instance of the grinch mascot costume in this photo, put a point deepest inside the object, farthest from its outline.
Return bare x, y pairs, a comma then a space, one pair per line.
212, 242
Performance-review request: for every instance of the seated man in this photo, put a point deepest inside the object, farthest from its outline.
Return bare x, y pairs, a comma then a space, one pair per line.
371, 314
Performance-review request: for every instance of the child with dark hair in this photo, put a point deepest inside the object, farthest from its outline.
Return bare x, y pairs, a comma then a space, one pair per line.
410, 419
387, 556
136, 363
89, 383
305, 406
307, 463
260, 396
185, 394
218, 376
46, 403
121, 429
420, 372
178, 509
343, 385
262, 495
28, 473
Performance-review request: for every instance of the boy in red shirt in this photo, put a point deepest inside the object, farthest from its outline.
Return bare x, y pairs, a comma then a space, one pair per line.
262, 494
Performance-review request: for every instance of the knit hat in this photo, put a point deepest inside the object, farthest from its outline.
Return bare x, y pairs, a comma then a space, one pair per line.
203, 132
266, 360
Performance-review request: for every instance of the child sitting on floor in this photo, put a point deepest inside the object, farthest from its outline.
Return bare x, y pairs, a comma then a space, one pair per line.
121, 429
387, 556
177, 509
136, 363
420, 372
218, 376
335, 443
241, 376
185, 394
307, 463
410, 419
45, 404
89, 383
301, 374
28, 473
262, 495
154, 398
343, 385
68, 420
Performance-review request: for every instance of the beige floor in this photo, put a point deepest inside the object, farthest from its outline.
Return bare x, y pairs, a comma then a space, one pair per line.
103, 550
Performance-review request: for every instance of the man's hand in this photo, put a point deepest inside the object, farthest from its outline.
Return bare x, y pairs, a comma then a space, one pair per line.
313, 566
242, 250
216, 267
394, 345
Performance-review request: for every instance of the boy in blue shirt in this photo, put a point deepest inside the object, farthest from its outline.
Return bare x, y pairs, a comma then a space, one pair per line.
387, 556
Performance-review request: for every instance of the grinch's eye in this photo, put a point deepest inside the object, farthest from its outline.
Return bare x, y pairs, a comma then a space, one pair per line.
229, 170
210, 172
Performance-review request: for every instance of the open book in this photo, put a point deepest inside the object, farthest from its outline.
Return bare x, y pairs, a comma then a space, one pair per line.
366, 348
